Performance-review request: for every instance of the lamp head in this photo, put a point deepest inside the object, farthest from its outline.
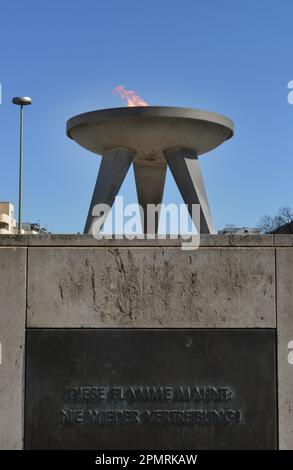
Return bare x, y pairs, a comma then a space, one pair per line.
22, 100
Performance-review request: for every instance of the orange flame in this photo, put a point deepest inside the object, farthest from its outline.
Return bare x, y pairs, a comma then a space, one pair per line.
130, 96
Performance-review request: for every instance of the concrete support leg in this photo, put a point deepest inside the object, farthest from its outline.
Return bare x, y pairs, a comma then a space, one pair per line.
114, 166
150, 182
184, 166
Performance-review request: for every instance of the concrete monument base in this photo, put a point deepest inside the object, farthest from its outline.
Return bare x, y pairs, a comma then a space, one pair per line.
231, 300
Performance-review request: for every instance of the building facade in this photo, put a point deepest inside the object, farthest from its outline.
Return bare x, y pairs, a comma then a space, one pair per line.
7, 220
8, 225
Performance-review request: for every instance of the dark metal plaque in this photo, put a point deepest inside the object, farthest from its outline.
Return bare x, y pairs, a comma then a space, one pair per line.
151, 389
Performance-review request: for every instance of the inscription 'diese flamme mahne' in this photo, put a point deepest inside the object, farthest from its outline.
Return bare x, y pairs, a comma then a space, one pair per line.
127, 397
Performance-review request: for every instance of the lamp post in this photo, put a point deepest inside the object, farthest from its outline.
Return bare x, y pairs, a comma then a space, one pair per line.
20, 101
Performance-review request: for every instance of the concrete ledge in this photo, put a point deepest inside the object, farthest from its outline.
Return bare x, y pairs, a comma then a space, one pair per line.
14, 240
283, 240
88, 240
205, 240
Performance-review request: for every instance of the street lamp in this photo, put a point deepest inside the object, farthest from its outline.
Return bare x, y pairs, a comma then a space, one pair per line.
20, 101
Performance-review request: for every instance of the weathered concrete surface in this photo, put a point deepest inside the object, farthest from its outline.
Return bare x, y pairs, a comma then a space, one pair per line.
88, 240
285, 336
151, 287
14, 240
12, 335
283, 240
205, 240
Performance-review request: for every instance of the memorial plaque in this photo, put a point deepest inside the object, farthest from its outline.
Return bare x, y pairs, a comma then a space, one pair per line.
151, 389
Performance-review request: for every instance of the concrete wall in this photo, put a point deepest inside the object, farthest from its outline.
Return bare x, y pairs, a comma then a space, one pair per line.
75, 281
284, 293
12, 334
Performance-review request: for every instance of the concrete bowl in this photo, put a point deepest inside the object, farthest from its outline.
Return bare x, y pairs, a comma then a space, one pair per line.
149, 130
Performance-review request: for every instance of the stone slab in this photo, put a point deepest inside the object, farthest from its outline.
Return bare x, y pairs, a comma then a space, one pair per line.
205, 240
14, 240
229, 240
151, 389
151, 287
12, 336
283, 240
285, 345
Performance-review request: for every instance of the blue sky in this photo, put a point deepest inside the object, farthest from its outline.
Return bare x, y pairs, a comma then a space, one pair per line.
231, 57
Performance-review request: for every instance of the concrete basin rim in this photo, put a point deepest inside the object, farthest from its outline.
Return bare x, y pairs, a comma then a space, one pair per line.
149, 112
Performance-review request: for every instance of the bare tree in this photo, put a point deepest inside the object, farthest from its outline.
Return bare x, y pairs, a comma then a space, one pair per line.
267, 224
286, 215
284, 218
